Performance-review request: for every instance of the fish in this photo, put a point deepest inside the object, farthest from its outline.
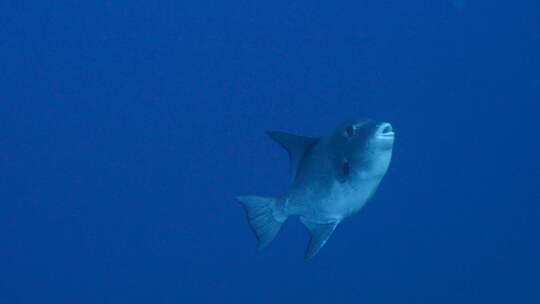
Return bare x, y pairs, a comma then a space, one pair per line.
332, 178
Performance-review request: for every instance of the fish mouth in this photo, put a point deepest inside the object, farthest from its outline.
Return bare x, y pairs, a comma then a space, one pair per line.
385, 131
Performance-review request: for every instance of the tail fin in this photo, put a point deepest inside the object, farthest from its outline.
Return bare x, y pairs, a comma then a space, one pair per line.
263, 217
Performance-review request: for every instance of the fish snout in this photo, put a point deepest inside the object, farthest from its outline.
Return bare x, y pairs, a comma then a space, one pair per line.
385, 131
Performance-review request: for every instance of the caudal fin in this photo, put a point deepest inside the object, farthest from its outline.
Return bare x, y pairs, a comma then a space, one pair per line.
263, 217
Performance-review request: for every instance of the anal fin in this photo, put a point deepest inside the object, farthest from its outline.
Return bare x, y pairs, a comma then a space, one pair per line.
320, 233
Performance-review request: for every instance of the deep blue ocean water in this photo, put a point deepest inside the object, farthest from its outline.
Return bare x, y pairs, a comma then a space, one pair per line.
127, 128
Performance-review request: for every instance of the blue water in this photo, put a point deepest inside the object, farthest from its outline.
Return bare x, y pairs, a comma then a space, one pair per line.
127, 128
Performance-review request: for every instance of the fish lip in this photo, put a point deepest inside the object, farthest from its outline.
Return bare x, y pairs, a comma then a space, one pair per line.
385, 131
388, 135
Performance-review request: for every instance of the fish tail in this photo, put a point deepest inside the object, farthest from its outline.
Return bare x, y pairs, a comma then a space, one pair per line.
264, 216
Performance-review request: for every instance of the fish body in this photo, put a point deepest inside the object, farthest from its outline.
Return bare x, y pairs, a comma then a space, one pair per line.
333, 177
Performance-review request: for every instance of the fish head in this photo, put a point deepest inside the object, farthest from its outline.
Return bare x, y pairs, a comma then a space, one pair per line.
363, 147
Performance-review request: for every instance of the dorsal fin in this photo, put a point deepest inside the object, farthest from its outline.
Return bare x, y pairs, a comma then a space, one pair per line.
320, 233
296, 145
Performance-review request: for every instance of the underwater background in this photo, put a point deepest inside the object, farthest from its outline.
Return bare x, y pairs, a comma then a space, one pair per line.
128, 127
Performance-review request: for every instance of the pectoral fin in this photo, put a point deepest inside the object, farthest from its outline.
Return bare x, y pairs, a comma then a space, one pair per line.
320, 233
